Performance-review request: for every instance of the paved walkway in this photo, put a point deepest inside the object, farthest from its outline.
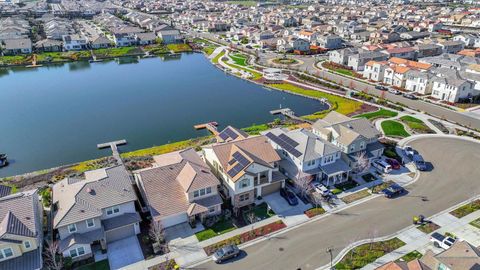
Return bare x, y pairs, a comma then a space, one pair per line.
419, 241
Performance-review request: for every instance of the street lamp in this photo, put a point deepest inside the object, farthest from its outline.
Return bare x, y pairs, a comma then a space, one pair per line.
330, 251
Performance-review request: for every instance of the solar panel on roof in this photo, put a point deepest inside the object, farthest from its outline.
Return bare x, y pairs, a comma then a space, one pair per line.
223, 135
231, 161
232, 172
288, 140
231, 133
241, 159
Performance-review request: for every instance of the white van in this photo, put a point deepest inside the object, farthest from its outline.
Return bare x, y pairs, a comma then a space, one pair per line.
382, 166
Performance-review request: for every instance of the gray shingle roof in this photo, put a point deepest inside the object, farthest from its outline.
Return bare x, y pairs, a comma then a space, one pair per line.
19, 214
81, 200
120, 221
31, 260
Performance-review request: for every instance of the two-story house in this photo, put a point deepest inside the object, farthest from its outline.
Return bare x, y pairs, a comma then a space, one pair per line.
90, 213
21, 234
179, 188
74, 42
356, 137
306, 156
247, 168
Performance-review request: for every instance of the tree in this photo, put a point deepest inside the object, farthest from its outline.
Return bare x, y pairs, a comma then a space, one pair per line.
157, 234
52, 259
363, 163
302, 183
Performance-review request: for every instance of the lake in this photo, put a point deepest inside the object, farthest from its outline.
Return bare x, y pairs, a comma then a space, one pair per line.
56, 115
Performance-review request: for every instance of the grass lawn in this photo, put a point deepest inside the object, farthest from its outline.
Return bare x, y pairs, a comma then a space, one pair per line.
209, 49
100, 265
244, 3
382, 113
116, 52
368, 177
466, 209
428, 227
368, 253
382, 186
261, 212
416, 124
167, 148
221, 227
239, 59
346, 185
476, 223
156, 49
394, 128
410, 256
216, 58
181, 47
13, 60
256, 129
256, 75
356, 196
343, 105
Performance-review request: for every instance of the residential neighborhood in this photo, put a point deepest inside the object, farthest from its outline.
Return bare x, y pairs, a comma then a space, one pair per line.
170, 134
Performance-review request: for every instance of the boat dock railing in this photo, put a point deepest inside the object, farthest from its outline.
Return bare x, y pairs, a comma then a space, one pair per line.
114, 146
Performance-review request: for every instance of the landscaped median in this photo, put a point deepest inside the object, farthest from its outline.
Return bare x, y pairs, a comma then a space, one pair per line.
246, 236
356, 196
466, 209
315, 211
415, 124
381, 113
393, 128
362, 255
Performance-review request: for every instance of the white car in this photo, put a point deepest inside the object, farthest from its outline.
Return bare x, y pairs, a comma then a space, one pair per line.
321, 189
394, 91
410, 152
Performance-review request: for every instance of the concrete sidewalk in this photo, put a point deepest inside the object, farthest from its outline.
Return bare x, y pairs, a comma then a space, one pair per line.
419, 241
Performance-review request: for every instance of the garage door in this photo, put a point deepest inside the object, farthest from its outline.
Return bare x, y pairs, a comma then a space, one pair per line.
271, 188
174, 220
120, 233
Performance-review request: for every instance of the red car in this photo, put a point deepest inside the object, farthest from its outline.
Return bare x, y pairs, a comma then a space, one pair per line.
394, 163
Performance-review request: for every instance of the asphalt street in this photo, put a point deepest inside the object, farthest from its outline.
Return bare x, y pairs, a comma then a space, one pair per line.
454, 178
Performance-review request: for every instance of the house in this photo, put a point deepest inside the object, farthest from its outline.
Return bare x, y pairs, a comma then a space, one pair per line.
427, 50
329, 42
402, 52
395, 75
374, 70
231, 134
21, 233
357, 61
17, 46
145, 38
169, 35
341, 56
460, 256
449, 86
451, 46
307, 157
247, 169
49, 45
179, 188
74, 42
125, 39
356, 137
100, 42
469, 40
419, 82
93, 212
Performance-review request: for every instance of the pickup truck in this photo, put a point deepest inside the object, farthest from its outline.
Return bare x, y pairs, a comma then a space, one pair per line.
441, 241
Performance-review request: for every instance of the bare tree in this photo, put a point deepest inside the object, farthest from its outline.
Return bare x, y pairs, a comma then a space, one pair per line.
316, 199
363, 163
157, 234
52, 259
302, 183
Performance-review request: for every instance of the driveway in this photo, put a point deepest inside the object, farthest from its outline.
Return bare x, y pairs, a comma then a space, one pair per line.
450, 182
124, 252
291, 214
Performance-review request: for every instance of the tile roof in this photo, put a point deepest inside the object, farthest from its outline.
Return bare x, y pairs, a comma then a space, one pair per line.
5, 190
174, 174
83, 199
19, 214
31, 260
81, 238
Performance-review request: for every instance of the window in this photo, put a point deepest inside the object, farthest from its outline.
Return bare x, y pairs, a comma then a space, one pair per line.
112, 210
211, 209
196, 193
6, 253
72, 228
244, 183
244, 197
209, 190
77, 252
81, 250
90, 223
73, 253
27, 244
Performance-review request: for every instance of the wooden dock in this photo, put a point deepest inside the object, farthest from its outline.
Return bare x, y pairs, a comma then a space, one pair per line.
114, 146
287, 112
211, 126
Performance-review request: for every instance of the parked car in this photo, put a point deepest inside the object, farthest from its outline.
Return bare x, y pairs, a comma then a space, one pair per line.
321, 189
419, 162
394, 163
394, 91
393, 190
381, 88
441, 241
410, 96
225, 253
249, 47
289, 196
410, 152
382, 166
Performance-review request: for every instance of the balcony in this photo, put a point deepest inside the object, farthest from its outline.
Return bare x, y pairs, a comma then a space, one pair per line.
261, 180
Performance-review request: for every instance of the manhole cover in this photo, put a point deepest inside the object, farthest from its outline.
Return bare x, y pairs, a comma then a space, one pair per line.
280, 249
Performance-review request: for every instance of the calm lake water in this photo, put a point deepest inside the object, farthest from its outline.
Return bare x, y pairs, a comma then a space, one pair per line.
58, 114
